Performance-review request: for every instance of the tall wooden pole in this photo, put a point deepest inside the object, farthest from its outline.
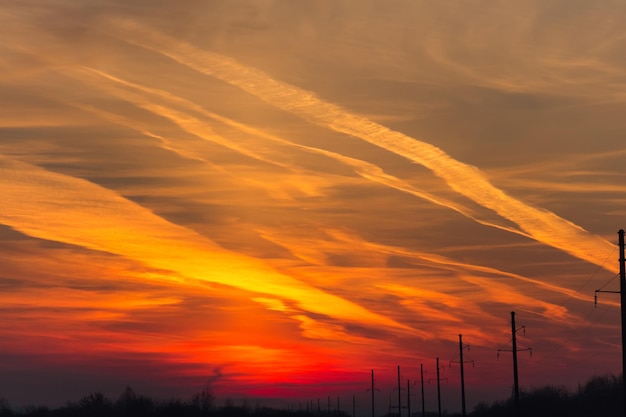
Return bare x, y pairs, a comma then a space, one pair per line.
399, 395
462, 376
515, 376
438, 391
373, 413
422, 377
408, 398
622, 290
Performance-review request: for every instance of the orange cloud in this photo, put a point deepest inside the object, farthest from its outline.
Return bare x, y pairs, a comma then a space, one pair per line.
111, 223
541, 225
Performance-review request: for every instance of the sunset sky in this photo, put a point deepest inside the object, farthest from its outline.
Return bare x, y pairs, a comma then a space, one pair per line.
271, 198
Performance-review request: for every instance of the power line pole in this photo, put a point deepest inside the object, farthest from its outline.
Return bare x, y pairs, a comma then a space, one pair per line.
438, 391
514, 331
438, 388
462, 374
373, 389
408, 398
515, 374
400, 389
399, 395
422, 378
622, 290
461, 362
373, 393
622, 293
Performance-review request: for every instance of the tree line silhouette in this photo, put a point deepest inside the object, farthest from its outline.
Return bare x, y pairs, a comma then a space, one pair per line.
600, 396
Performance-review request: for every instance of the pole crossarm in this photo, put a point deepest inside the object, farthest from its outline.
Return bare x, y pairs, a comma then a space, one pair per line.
526, 349
516, 348
435, 379
622, 293
468, 361
595, 295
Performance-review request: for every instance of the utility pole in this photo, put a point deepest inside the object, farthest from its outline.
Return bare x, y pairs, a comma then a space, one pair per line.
373, 413
399, 395
622, 292
514, 331
515, 374
462, 374
422, 378
408, 398
461, 361
373, 389
438, 389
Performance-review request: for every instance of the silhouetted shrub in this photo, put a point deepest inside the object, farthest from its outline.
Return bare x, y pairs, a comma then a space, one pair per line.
203, 402
601, 396
176, 408
132, 405
5, 409
546, 402
95, 405
39, 411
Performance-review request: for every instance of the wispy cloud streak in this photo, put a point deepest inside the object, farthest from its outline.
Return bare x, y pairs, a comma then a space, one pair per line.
111, 223
542, 225
191, 124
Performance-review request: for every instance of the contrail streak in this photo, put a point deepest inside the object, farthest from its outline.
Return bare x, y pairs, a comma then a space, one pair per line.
369, 171
194, 126
542, 225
